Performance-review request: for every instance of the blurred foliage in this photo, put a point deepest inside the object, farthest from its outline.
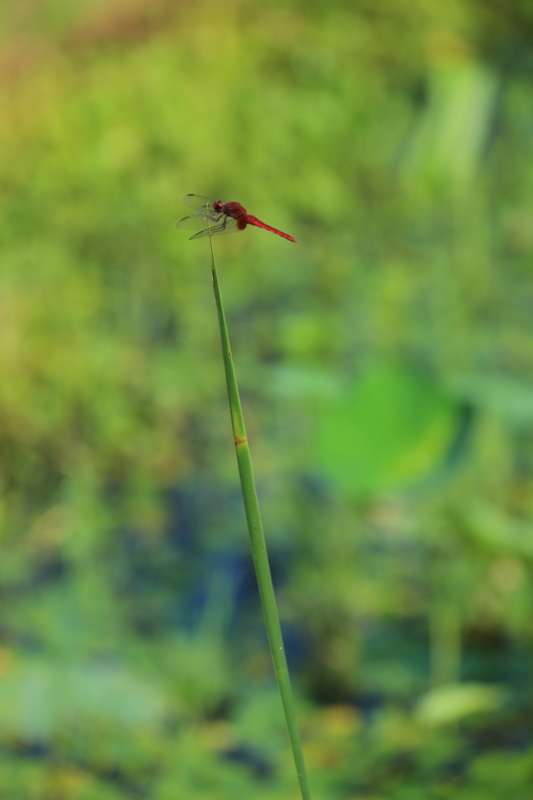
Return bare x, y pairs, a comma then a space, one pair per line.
386, 366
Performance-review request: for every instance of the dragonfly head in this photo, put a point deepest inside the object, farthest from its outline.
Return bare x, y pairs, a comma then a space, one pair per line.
218, 205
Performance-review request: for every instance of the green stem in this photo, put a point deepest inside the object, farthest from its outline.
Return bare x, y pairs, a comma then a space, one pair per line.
259, 551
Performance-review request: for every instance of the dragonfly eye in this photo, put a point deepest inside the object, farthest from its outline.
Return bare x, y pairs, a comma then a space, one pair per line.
218, 205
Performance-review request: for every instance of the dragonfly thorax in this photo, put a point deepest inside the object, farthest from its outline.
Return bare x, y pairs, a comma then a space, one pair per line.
234, 210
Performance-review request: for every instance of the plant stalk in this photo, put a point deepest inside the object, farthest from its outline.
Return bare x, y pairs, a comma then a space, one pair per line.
257, 539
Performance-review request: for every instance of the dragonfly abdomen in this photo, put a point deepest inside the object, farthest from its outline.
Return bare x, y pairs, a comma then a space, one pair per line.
258, 224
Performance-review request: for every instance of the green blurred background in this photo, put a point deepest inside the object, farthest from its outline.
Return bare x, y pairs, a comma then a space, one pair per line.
386, 368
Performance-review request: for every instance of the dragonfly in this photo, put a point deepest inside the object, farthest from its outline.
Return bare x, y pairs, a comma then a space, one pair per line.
220, 217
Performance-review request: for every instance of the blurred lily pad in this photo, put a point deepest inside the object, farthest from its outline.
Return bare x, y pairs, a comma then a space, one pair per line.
389, 429
38, 699
509, 398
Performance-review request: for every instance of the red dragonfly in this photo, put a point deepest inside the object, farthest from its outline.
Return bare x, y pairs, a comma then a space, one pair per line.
220, 217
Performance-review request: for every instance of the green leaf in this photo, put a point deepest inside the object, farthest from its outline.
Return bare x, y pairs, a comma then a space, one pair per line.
456, 701
389, 429
498, 531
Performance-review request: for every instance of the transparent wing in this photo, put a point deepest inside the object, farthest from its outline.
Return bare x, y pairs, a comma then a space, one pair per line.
228, 226
202, 205
193, 223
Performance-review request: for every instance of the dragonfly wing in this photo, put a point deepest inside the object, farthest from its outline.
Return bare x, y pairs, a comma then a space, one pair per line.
199, 202
198, 220
229, 225
191, 223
